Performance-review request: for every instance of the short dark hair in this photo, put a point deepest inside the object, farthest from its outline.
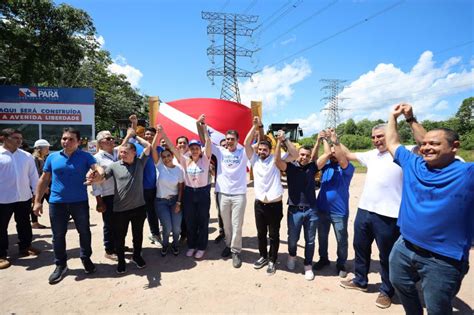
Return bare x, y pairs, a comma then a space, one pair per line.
150, 129
166, 150
182, 137
450, 134
129, 145
7, 132
233, 132
267, 143
74, 131
306, 147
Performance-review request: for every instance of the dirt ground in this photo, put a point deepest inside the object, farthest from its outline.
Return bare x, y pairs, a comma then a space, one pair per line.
184, 285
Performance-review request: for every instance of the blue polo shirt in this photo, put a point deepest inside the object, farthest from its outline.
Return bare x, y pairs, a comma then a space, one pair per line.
333, 196
149, 174
68, 175
437, 207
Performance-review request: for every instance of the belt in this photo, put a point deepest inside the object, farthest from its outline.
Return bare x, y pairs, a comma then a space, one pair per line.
424, 252
299, 208
204, 188
168, 198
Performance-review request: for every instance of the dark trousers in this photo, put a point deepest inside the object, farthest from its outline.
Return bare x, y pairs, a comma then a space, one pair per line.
219, 217
150, 195
370, 226
120, 221
59, 214
109, 243
196, 205
34, 217
268, 217
21, 211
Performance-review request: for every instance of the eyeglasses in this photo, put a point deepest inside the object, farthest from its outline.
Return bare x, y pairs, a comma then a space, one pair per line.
108, 139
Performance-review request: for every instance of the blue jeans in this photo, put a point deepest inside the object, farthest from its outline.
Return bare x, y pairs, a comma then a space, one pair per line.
308, 219
339, 224
170, 220
109, 242
59, 216
196, 206
440, 278
370, 226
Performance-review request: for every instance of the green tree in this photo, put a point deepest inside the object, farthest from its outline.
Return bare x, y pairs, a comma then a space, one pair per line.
465, 116
350, 128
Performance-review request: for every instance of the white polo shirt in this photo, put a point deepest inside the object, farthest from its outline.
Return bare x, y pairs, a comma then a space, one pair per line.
382, 192
18, 176
231, 170
267, 182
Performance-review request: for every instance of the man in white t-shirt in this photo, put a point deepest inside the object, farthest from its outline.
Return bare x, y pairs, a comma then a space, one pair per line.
231, 186
377, 213
268, 197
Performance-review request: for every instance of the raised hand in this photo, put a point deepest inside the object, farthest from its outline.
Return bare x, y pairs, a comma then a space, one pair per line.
256, 121
133, 118
202, 119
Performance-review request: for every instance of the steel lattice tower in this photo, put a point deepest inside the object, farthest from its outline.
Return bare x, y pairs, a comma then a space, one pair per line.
334, 87
230, 25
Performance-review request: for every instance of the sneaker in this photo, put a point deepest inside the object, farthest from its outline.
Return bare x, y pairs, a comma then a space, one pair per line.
271, 269
30, 251
260, 263
139, 261
226, 252
89, 266
321, 264
190, 252
308, 273
4, 263
291, 263
121, 267
236, 260
383, 301
199, 254
175, 250
57, 274
341, 270
349, 284
164, 250
219, 238
109, 254
155, 239
37, 225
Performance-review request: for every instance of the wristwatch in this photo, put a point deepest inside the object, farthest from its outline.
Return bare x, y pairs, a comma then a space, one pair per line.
411, 119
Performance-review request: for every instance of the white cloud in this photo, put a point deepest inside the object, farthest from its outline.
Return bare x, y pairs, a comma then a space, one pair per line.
272, 86
288, 41
312, 124
120, 66
101, 40
425, 86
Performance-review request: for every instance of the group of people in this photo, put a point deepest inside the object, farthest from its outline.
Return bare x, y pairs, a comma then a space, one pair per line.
417, 202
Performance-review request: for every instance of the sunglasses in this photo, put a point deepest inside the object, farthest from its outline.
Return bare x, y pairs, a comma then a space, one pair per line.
108, 139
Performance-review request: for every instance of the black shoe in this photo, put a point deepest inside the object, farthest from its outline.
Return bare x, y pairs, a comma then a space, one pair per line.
271, 269
121, 267
57, 274
175, 250
321, 264
164, 250
89, 266
260, 263
138, 260
236, 261
219, 238
226, 252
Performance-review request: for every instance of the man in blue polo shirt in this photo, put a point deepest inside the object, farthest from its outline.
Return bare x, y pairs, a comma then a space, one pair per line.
333, 201
435, 218
67, 170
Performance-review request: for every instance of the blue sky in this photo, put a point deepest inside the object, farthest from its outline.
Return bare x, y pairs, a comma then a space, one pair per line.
418, 51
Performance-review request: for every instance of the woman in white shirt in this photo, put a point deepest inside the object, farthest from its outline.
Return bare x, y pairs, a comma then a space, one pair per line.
169, 184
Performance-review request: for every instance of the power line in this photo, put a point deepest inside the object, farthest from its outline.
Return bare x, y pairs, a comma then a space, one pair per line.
354, 25
250, 6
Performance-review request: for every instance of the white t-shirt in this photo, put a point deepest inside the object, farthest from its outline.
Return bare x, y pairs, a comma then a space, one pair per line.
382, 192
231, 170
167, 180
196, 174
267, 183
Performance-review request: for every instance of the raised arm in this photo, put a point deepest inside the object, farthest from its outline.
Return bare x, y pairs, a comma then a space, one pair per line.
349, 155
322, 160
278, 161
202, 129
315, 151
130, 134
154, 145
391, 134
134, 121
416, 128
338, 152
146, 145
248, 139
176, 152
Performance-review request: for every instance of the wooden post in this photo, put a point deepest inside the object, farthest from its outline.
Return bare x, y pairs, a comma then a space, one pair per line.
256, 108
153, 109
